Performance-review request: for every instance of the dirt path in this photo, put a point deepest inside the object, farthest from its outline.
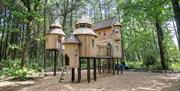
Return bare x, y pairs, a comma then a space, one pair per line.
129, 81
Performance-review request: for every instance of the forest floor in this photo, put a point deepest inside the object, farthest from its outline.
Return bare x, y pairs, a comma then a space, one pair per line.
129, 81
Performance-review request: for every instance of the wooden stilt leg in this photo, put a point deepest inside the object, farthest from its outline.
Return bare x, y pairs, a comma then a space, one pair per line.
103, 67
55, 62
113, 66
79, 70
121, 67
100, 66
117, 67
94, 66
88, 70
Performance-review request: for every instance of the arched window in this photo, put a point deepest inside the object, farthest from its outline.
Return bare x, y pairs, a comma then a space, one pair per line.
117, 31
93, 44
88, 26
113, 31
104, 33
82, 25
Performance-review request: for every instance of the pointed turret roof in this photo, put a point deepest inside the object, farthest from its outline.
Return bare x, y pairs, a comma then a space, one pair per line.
84, 19
82, 30
56, 23
55, 28
71, 40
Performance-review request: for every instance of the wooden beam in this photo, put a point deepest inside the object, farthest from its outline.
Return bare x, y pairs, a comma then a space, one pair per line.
109, 65
100, 67
45, 64
94, 66
121, 67
113, 66
103, 67
79, 70
55, 62
88, 70
117, 66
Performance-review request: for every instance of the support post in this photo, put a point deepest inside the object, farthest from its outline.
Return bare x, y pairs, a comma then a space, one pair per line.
73, 75
100, 67
94, 66
117, 67
113, 66
109, 65
55, 62
45, 63
121, 67
79, 70
88, 70
103, 66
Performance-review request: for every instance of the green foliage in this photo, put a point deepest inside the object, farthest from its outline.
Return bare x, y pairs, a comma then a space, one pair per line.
12, 68
83, 66
150, 60
175, 66
143, 65
135, 64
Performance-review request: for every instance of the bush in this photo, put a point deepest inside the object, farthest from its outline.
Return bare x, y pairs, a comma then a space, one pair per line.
175, 66
134, 64
150, 61
12, 68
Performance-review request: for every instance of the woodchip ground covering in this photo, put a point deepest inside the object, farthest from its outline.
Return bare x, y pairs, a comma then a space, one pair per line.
129, 81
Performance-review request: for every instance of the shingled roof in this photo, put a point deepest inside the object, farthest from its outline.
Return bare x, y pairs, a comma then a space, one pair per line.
105, 23
55, 28
82, 30
71, 40
84, 19
56, 23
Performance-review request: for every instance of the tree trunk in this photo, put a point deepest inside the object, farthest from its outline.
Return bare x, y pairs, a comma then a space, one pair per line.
26, 44
100, 10
66, 4
176, 8
160, 37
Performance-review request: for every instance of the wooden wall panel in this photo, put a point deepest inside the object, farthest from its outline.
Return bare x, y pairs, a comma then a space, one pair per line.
72, 50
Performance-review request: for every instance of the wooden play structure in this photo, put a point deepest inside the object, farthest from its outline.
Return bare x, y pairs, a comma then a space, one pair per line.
98, 43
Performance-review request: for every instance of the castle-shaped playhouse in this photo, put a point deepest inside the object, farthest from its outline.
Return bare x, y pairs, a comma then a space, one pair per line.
98, 44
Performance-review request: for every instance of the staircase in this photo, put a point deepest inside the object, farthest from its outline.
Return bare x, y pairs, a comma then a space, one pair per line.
64, 74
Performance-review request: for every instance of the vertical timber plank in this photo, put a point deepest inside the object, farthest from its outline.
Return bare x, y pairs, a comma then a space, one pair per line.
113, 66
117, 67
79, 71
94, 68
88, 70
55, 62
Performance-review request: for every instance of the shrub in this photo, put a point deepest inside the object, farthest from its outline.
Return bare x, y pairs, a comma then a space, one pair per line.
12, 68
134, 64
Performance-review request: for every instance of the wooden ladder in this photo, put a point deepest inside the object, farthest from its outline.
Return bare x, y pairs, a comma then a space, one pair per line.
64, 74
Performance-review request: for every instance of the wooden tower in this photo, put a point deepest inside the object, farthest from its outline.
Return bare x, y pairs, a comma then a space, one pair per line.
86, 36
72, 51
54, 37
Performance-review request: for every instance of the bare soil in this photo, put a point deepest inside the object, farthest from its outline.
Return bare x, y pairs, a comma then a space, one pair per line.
129, 81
